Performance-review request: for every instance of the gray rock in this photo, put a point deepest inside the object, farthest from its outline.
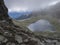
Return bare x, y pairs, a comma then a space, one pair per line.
2, 38
18, 38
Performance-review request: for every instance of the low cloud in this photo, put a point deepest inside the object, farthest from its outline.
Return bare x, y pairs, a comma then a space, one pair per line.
24, 5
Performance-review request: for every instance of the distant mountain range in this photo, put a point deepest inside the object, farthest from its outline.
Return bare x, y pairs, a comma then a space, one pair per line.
51, 11
55, 10
20, 15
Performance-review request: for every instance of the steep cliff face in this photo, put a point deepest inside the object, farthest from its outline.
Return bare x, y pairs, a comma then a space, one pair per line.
4, 12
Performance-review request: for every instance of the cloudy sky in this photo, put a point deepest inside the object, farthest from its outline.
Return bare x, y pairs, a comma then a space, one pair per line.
24, 5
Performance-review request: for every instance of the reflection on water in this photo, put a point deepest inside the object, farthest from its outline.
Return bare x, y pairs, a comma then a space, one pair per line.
41, 25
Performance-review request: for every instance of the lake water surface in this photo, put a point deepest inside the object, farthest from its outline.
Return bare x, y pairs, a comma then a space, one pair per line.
41, 25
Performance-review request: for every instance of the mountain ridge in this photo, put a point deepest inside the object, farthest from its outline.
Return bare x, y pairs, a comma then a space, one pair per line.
20, 15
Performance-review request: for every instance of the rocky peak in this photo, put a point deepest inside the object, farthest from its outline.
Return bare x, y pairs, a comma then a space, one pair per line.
4, 12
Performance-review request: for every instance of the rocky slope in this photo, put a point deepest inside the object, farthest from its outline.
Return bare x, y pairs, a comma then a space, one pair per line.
11, 34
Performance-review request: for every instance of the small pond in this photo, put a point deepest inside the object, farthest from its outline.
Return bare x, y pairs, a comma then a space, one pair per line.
41, 25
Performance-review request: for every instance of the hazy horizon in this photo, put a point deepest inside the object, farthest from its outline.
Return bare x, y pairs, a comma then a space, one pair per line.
29, 5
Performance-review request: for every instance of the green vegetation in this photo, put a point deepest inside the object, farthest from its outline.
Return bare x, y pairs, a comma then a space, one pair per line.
54, 21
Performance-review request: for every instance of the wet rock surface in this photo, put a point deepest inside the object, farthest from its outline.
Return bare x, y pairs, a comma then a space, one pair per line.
11, 34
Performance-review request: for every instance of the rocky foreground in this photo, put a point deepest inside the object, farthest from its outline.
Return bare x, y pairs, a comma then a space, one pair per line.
11, 34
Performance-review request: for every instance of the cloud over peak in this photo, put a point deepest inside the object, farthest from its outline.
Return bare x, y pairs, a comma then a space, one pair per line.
23, 5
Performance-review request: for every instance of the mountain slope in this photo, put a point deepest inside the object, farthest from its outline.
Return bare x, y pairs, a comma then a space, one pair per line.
53, 10
20, 15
